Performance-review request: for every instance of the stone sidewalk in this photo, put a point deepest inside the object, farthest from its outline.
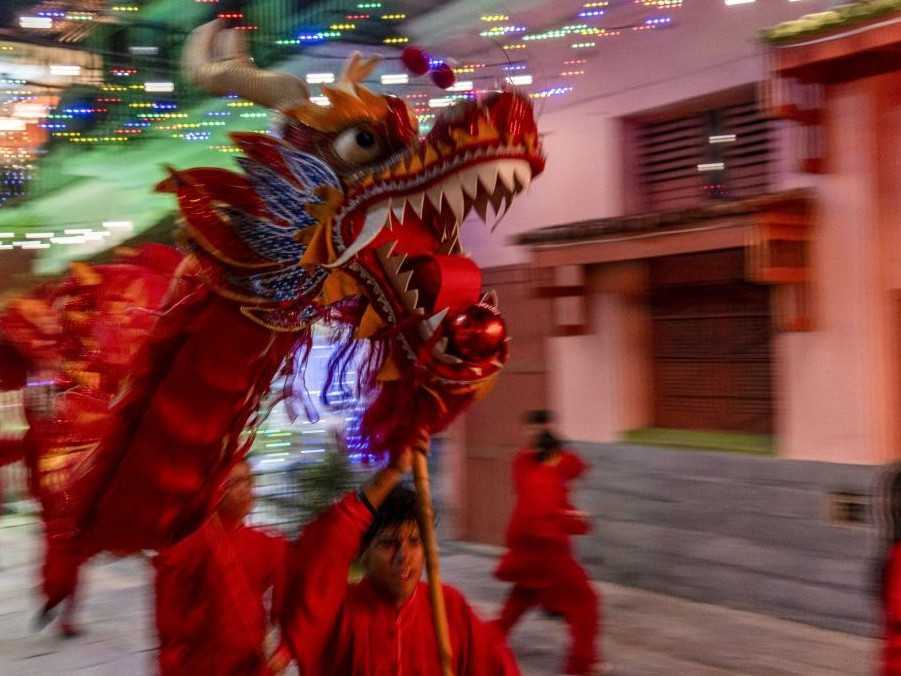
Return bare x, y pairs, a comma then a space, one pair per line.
645, 634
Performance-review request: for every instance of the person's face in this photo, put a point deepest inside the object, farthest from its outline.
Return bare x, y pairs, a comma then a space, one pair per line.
394, 561
532, 430
237, 499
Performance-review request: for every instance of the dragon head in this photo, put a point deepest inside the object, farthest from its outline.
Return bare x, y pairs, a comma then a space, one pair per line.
347, 205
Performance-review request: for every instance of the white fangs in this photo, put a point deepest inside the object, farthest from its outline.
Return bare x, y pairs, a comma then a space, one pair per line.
417, 202
376, 218
488, 176
492, 182
453, 194
523, 175
469, 179
428, 326
505, 173
490, 299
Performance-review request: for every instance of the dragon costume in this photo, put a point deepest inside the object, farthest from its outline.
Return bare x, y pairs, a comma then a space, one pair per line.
344, 215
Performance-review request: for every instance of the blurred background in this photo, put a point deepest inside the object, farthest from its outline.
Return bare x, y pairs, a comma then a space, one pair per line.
704, 284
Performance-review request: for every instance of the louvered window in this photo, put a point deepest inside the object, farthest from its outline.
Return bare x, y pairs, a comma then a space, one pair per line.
714, 154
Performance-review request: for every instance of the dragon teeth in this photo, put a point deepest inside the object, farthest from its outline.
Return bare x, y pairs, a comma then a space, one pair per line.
451, 245
404, 279
430, 325
397, 208
488, 176
435, 193
469, 180
411, 300
523, 175
376, 219
384, 252
453, 194
395, 263
417, 202
506, 174
490, 298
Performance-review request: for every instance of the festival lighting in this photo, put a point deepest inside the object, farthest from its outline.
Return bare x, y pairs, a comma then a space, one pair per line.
118, 225
520, 80
496, 31
12, 124
394, 78
35, 22
320, 78
461, 86
443, 102
65, 69
159, 87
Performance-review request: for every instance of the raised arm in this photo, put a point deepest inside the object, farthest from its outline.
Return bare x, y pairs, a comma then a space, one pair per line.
319, 565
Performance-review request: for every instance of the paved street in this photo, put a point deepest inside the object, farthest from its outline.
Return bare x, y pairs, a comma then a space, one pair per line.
646, 634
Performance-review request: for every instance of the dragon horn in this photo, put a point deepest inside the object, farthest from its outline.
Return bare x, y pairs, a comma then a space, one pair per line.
234, 70
356, 69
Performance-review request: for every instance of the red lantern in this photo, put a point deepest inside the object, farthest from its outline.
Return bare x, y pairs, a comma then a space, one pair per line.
477, 333
415, 60
443, 76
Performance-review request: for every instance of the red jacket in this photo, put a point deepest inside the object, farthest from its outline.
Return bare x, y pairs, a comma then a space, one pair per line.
543, 521
335, 628
210, 590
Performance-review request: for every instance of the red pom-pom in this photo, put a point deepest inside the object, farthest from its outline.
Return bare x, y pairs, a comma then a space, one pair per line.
415, 60
477, 333
443, 76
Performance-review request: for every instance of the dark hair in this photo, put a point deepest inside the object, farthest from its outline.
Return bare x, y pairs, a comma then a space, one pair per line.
539, 417
546, 443
398, 508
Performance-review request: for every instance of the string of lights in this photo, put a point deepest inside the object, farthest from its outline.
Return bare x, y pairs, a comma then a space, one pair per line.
136, 92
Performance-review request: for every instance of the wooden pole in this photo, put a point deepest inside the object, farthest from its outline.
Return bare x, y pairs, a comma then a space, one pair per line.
433, 565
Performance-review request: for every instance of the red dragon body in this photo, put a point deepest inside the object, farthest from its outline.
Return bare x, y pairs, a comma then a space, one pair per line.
346, 216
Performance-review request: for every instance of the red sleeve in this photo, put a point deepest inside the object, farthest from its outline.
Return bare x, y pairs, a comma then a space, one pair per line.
575, 524
317, 579
274, 549
181, 592
483, 649
572, 466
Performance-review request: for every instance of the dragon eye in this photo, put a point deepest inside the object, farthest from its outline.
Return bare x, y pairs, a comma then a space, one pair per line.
358, 145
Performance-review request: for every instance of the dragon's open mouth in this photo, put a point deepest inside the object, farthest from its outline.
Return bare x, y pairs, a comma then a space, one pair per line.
407, 218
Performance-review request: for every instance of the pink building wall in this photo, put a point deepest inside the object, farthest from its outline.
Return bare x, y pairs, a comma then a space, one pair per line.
600, 383
837, 387
711, 48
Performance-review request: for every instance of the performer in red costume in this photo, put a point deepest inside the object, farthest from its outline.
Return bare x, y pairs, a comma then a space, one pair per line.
210, 588
382, 625
540, 561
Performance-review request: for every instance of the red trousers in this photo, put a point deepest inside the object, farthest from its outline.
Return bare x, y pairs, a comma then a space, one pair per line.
578, 602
